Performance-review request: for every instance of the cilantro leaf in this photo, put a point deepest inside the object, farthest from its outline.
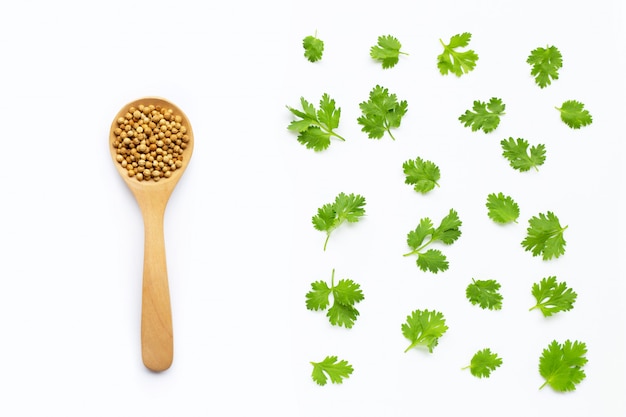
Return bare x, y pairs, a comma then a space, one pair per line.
346, 207
502, 208
316, 127
346, 293
416, 237
424, 328
520, 157
447, 232
484, 293
423, 175
381, 113
387, 51
313, 48
342, 315
561, 365
454, 61
432, 260
546, 63
483, 363
553, 296
574, 115
318, 297
485, 116
331, 368
545, 236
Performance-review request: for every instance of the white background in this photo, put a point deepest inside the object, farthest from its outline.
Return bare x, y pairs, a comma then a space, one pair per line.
241, 248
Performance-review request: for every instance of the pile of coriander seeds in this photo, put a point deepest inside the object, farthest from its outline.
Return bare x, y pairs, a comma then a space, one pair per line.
150, 141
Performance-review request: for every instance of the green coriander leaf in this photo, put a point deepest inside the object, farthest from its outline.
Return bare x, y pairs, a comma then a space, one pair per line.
317, 298
349, 207
483, 363
432, 260
485, 116
316, 127
545, 236
455, 61
416, 237
387, 51
314, 138
520, 157
546, 63
313, 48
326, 218
447, 232
342, 315
484, 293
381, 113
331, 367
574, 115
345, 293
424, 328
345, 208
423, 175
553, 296
502, 208
328, 114
562, 365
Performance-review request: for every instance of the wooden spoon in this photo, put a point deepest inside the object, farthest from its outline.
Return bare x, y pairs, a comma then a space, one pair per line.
157, 348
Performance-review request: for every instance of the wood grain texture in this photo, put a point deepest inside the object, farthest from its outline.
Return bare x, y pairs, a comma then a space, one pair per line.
157, 342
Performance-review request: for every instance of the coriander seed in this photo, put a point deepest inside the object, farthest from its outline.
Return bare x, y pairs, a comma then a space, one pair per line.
144, 142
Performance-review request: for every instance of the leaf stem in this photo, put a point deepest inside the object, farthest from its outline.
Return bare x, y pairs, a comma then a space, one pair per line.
329, 131
326, 241
414, 251
337, 135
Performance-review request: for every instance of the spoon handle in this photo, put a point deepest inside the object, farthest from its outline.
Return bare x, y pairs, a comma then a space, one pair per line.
157, 348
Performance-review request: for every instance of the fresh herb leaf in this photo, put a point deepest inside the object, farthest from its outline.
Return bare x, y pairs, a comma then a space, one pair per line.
313, 48
447, 232
346, 207
485, 116
381, 113
484, 293
316, 126
423, 175
520, 157
331, 367
483, 363
574, 115
346, 293
455, 61
319, 296
502, 208
546, 63
387, 51
424, 328
562, 365
553, 296
545, 236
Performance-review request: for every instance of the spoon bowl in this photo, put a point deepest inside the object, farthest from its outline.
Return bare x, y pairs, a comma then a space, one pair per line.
157, 347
